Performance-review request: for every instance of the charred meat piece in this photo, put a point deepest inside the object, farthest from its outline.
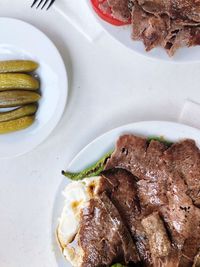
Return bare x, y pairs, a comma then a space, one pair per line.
177, 39
120, 9
144, 161
162, 252
152, 30
181, 217
161, 187
175, 9
121, 188
148, 232
103, 236
185, 158
170, 24
197, 260
137, 155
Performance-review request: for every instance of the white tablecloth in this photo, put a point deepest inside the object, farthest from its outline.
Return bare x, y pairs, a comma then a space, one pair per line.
109, 86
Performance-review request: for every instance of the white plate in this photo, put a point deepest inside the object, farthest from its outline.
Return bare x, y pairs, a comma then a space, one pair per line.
20, 40
123, 35
92, 152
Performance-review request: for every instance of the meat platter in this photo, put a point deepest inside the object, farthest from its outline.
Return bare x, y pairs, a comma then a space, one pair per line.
153, 27
148, 198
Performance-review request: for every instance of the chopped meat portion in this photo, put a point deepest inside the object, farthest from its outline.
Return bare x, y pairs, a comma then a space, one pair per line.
148, 28
181, 217
134, 154
197, 260
161, 250
170, 24
167, 181
185, 158
103, 236
120, 9
147, 207
157, 7
121, 188
175, 9
143, 160
179, 39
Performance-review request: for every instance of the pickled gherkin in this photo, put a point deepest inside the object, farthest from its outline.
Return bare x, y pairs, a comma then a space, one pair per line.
16, 125
18, 66
17, 98
12, 81
18, 113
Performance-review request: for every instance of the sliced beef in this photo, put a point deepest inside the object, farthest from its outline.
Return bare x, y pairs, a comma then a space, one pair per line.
185, 158
170, 24
182, 217
175, 9
156, 7
152, 30
103, 236
130, 151
138, 156
195, 40
143, 160
161, 187
120, 9
186, 8
121, 188
197, 260
180, 38
160, 246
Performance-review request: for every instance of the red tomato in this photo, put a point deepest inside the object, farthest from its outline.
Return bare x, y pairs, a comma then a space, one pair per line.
106, 15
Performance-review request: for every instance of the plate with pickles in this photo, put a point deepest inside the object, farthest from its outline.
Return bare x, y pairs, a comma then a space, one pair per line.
33, 87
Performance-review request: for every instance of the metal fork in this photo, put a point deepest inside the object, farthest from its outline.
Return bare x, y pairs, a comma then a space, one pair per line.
43, 3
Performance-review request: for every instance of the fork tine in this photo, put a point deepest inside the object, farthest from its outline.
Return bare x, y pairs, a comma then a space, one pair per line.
51, 3
39, 3
35, 1
44, 4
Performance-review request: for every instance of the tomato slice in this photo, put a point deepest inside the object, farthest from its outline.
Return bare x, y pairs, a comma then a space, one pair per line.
107, 14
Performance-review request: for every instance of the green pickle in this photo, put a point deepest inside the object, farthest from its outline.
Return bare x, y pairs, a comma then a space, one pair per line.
18, 66
18, 112
17, 98
12, 81
16, 125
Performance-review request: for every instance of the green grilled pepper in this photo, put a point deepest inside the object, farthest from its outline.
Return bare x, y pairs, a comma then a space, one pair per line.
93, 170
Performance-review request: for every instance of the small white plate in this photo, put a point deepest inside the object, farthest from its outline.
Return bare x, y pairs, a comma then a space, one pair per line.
123, 35
96, 149
20, 40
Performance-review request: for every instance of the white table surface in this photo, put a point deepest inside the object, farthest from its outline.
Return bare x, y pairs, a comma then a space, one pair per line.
108, 86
